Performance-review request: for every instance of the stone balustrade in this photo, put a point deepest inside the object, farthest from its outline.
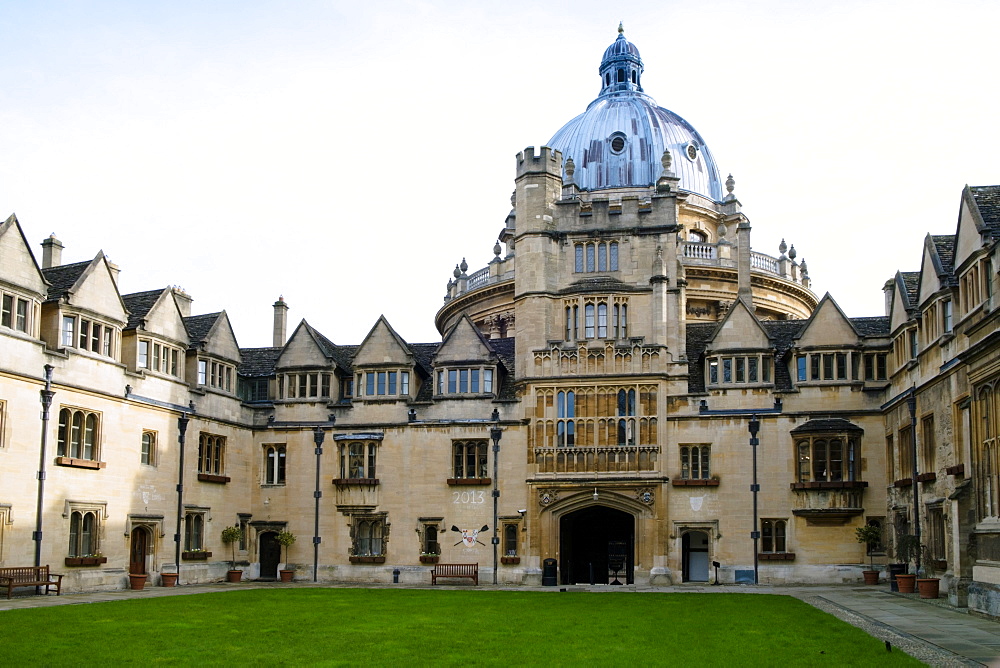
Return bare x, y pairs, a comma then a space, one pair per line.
608, 459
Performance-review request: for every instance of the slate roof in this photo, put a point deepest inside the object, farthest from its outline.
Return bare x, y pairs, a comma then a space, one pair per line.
945, 246
63, 277
911, 279
342, 355
877, 326
258, 362
504, 349
782, 334
838, 425
698, 336
988, 202
198, 326
138, 305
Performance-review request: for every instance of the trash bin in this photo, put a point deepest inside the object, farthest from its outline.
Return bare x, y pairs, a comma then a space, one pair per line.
549, 573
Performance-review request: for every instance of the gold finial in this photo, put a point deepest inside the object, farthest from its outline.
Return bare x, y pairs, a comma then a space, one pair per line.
621, 28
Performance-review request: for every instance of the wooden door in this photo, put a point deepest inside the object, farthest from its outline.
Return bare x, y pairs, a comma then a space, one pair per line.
138, 551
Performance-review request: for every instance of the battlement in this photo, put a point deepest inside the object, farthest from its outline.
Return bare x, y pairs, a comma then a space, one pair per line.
547, 161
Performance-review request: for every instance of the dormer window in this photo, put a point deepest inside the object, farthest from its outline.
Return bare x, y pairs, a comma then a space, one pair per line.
15, 312
465, 380
304, 385
739, 369
384, 383
87, 334
216, 374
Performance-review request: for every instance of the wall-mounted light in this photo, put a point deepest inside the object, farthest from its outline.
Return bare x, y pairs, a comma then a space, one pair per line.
596, 496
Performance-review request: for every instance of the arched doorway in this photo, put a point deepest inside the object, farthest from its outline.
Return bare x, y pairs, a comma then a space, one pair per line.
694, 556
590, 539
270, 554
138, 550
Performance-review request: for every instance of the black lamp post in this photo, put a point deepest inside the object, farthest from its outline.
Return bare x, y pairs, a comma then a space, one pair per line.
46, 399
911, 403
182, 425
496, 433
318, 436
755, 489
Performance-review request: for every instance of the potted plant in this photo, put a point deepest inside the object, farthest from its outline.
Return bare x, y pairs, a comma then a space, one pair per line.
286, 538
168, 579
930, 586
230, 536
136, 581
871, 536
429, 557
907, 549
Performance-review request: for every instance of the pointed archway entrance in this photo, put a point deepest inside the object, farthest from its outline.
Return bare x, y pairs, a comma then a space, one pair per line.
591, 541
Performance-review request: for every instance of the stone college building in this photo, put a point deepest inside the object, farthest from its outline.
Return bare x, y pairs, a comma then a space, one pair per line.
616, 353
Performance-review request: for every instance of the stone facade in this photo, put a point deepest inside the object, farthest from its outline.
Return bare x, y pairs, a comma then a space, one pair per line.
620, 344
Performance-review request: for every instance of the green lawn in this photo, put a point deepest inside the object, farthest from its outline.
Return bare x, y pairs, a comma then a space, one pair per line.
403, 627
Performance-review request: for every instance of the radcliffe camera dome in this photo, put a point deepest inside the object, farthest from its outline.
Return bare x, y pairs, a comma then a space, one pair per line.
619, 140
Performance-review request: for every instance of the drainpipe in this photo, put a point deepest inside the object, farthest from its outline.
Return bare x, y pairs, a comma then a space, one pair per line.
46, 399
911, 403
182, 425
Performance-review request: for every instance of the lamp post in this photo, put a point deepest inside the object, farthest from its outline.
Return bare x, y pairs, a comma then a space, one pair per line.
496, 433
46, 399
318, 436
755, 489
182, 425
911, 404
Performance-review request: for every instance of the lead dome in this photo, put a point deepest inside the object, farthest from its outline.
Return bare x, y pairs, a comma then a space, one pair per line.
619, 140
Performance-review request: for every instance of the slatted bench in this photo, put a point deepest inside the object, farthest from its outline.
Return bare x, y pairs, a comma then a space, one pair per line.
470, 571
30, 576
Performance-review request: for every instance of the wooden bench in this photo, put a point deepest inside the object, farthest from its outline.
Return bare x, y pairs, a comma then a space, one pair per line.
30, 576
470, 571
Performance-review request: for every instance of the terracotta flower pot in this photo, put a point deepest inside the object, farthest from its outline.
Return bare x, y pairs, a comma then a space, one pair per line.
928, 587
286, 576
871, 577
168, 579
234, 576
137, 581
907, 582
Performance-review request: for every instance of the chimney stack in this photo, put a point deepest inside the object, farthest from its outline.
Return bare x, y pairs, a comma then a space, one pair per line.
183, 301
280, 321
51, 252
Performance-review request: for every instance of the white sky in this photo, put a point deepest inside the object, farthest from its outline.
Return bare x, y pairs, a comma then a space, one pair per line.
348, 155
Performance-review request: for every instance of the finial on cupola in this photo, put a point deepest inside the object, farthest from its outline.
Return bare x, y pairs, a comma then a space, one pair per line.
666, 160
730, 184
782, 247
792, 253
621, 28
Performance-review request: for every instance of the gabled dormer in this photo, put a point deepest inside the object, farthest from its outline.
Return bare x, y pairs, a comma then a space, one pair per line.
213, 354
740, 352
309, 367
466, 364
826, 348
901, 297
977, 253
84, 311
23, 288
155, 339
934, 297
384, 365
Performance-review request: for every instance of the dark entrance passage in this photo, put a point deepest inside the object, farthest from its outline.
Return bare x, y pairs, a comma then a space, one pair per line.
138, 551
591, 541
270, 554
